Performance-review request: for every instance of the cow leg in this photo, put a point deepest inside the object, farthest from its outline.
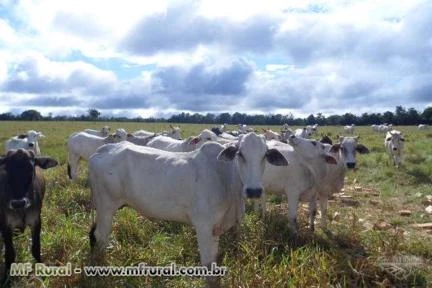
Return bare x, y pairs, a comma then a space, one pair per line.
208, 245
36, 229
73, 162
9, 252
323, 208
312, 213
293, 200
102, 228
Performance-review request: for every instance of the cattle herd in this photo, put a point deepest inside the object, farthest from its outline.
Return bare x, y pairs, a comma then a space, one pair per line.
210, 174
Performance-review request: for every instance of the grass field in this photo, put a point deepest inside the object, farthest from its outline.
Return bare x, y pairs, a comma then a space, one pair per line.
370, 244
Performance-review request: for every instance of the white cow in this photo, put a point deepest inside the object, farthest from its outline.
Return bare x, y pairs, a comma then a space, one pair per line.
28, 141
313, 128
305, 132
174, 133
169, 144
196, 188
349, 129
301, 179
345, 154
384, 128
422, 127
271, 135
193, 142
144, 133
101, 133
394, 144
81, 145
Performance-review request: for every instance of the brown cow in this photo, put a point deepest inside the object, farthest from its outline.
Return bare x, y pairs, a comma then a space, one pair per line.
22, 188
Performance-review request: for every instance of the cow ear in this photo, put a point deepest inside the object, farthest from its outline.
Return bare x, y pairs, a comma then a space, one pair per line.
329, 159
402, 139
388, 138
228, 153
45, 162
362, 149
276, 158
335, 148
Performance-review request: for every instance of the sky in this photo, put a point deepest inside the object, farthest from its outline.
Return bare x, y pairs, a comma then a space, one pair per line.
158, 58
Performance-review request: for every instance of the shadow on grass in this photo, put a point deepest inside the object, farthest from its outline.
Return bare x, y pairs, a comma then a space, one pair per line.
353, 265
420, 177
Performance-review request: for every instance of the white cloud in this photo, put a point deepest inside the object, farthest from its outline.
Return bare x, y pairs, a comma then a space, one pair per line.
306, 56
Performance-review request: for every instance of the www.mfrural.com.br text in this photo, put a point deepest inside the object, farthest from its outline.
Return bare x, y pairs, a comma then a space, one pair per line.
171, 270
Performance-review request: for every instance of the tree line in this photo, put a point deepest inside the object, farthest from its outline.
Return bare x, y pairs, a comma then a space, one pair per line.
401, 116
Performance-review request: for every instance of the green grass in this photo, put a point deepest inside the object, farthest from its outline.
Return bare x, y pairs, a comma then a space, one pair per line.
263, 253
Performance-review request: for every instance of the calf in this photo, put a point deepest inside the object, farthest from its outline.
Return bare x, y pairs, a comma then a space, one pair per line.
101, 133
27, 141
202, 190
22, 189
422, 127
394, 144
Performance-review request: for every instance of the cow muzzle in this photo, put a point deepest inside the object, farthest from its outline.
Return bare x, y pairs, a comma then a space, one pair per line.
351, 165
254, 192
31, 144
23, 203
395, 149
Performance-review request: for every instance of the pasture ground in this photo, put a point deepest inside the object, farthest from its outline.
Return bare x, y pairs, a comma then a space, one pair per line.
370, 244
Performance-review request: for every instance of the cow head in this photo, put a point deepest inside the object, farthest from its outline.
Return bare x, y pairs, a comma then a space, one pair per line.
395, 141
18, 172
311, 149
250, 154
105, 131
347, 148
32, 140
174, 133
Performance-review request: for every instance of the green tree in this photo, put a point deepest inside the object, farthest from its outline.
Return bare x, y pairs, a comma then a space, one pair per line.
93, 114
427, 115
31, 115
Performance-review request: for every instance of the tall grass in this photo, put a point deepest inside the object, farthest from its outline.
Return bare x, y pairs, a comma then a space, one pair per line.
263, 253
